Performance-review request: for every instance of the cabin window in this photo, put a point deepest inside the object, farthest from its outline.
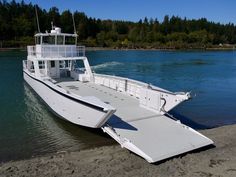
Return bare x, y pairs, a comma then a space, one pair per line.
41, 65
45, 39
52, 64
49, 40
30, 66
37, 40
60, 40
65, 64
79, 64
62, 64
70, 40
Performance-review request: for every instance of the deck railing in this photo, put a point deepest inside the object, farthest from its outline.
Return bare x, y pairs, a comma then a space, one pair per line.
129, 86
28, 66
56, 51
150, 97
31, 50
24, 64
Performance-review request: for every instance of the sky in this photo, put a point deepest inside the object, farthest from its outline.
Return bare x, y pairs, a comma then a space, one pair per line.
223, 11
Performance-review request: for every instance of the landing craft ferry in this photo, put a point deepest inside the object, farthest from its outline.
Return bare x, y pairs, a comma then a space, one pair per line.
132, 112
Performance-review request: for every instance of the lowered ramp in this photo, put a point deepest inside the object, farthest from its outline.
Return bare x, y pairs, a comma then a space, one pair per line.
155, 138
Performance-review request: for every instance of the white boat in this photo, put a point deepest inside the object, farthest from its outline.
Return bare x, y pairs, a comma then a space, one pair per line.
132, 112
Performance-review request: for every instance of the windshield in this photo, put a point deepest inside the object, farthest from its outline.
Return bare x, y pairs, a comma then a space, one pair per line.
49, 40
70, 40
59, 40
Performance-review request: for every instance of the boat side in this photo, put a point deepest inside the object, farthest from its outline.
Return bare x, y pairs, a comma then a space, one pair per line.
67, 106
150, 97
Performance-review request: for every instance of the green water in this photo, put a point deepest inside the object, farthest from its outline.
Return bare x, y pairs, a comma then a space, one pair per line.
28, 128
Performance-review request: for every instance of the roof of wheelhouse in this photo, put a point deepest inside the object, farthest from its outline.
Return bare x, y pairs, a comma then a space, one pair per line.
56, 31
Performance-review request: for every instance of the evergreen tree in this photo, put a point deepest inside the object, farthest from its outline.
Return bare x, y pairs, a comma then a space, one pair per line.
18, 25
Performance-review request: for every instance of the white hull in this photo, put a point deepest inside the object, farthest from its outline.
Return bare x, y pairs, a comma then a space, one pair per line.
68, 109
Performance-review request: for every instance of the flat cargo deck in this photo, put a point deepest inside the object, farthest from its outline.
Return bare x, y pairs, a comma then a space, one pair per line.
153, 136
127, 107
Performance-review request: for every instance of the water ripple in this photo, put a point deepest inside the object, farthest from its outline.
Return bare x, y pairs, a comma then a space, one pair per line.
106, 65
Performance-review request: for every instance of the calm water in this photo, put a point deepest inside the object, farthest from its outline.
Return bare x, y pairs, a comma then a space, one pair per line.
27, 128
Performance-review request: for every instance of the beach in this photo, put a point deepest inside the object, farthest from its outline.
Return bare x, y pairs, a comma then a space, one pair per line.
218, 160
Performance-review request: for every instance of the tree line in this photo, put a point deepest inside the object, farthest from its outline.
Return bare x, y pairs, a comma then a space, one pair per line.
18, 25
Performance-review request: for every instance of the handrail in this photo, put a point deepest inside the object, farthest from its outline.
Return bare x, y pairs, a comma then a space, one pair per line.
56, 51
129, 86
151, 97
26, 66
31, 50
139, 83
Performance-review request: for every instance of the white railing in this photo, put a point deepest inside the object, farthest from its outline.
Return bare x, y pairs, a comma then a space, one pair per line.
129, 86
24, 64
150, 97
28, 66
56, 51
80, 51
31, 50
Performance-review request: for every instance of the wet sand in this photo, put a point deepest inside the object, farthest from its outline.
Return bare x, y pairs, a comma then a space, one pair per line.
115, 161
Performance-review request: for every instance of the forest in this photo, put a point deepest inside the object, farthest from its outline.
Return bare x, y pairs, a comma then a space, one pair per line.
18, 25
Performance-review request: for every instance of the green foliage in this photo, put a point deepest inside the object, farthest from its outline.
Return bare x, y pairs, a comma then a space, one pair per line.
18, 25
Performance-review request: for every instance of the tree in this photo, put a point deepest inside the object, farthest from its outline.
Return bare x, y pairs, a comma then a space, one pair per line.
18, 25
66, 21
54, 16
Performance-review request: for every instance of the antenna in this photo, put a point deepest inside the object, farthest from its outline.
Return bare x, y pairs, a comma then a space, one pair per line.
37, 19
74, 23
52, 24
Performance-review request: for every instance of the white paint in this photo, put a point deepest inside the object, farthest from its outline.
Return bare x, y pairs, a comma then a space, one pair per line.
68, 109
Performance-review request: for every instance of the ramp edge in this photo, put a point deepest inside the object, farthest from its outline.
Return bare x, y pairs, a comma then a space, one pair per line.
126, 143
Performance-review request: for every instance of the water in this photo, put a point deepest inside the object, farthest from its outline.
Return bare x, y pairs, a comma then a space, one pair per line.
27, 128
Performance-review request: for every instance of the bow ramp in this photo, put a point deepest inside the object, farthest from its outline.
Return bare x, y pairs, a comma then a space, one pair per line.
156, 137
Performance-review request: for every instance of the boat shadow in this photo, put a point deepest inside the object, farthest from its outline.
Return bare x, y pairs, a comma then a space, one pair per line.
78, 131
117, 122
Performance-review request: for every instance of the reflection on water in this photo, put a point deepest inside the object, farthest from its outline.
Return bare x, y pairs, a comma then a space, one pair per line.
40, 132
58, 133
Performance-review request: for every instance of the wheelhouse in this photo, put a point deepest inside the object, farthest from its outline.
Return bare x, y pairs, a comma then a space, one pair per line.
56, 55
55, 37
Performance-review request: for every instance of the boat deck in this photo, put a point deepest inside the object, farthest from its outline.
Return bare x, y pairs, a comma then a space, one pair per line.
127, 106
153, 136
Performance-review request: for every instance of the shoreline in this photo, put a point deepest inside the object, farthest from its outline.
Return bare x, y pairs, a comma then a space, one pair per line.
116, 161
136, 49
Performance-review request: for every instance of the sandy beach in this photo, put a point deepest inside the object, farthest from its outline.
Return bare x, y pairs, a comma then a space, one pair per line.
115, 161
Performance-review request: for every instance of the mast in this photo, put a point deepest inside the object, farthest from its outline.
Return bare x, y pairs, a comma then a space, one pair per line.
73, 18
74, 23
37, 19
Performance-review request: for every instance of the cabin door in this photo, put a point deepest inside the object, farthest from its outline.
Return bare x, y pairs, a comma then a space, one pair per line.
53, 69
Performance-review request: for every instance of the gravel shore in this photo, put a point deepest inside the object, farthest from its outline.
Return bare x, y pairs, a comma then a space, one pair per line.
115, 161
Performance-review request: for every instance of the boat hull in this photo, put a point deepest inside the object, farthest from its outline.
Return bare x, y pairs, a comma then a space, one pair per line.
66, 107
